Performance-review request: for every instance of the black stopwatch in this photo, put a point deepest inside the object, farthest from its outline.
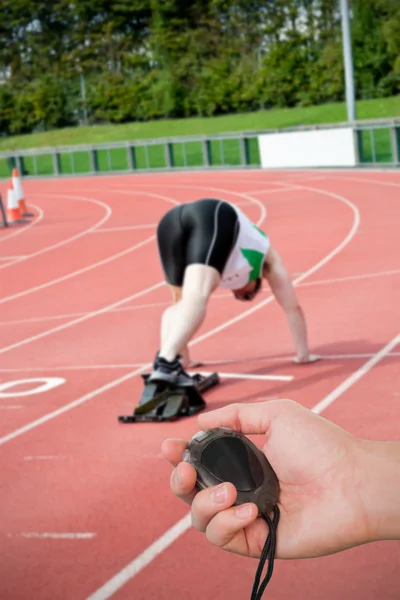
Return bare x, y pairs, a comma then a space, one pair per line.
223, 455
220, 455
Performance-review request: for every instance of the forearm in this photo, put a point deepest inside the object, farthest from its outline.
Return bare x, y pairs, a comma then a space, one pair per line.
380, 489
298, 328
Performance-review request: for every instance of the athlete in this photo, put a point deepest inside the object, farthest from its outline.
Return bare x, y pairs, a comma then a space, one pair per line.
205, 245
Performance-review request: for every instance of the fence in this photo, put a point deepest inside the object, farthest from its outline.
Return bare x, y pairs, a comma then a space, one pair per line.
377, 144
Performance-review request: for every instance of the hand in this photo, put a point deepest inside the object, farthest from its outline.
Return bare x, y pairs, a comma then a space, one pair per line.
309, 358
186, 362
319, 467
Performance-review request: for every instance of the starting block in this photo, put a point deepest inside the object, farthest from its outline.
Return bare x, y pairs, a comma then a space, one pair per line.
163, 402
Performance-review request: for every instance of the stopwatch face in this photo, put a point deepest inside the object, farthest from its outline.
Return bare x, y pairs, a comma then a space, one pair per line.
222, 455
230, 459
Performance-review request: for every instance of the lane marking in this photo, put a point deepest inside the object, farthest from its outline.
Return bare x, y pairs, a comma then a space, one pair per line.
76, 236
240, 361
89, 267
55, 535
68, 407
10, 407
133, 568
73, 368
388, 183
43, 457
351, 278
48, 284
80, 319
47, 383
125, 228
363, 370
218, 296
206, 335
172, 534
279, 359
25, 227
250, 376
12, 257
246, 196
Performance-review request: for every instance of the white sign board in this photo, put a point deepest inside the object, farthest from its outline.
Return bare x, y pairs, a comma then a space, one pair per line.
296, 149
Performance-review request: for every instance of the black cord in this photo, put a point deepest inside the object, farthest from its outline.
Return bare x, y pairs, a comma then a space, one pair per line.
268, 553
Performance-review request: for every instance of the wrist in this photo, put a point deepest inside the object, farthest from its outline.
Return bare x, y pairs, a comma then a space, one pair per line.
380, 488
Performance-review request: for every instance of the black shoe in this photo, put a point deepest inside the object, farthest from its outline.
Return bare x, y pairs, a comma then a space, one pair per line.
172, 372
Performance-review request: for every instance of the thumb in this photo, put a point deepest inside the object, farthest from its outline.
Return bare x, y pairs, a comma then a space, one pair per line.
254, 418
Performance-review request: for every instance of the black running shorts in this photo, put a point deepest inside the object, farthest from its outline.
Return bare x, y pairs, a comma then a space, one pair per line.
201, 232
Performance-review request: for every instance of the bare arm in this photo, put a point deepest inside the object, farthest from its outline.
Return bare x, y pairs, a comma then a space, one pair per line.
281, 286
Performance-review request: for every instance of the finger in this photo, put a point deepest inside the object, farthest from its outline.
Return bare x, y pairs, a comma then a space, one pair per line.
172, 450
183, 482
196, 363
226, 530
209, 502
253, 418
312, 358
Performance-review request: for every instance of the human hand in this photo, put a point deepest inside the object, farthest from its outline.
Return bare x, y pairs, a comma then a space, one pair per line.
307, 359
186, 361
319, 468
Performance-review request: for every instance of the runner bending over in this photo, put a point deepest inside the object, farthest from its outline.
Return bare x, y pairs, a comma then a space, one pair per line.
208, 244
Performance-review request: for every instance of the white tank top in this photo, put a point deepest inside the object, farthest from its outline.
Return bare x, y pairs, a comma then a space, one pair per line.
246, 259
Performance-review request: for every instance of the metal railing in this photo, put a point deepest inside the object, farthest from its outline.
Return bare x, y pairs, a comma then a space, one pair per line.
378, 144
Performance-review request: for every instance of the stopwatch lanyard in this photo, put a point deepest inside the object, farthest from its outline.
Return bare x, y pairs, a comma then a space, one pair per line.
268, 553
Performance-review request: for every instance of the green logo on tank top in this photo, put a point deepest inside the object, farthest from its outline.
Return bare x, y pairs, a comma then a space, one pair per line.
259, 230
255, 260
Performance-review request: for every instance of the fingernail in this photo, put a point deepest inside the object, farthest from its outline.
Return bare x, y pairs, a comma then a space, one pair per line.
177, 478
219, 494
244, 511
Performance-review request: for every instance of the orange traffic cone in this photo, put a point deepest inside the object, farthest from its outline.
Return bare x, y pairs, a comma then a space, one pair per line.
13, 211
19, 193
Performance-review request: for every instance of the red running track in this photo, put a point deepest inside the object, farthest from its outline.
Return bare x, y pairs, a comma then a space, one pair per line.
85, 498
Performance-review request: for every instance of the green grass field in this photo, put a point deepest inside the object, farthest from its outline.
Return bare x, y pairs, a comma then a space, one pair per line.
279, 118
375, 145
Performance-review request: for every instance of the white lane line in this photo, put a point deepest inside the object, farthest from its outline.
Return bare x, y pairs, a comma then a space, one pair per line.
76, 236
73, 368
250, 376
12, 257
13, 407
43, 457
245, 196
55, 535
137, 565
137, 365
80, 319
351, 278
82, 314
263, 360
24, 227
125, 228
89, 267
363, 370
172, 534
206, 335
279, 359
68, 407
218, 296
388, 183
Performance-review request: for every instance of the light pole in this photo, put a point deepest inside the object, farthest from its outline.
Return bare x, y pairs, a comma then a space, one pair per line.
348, 61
